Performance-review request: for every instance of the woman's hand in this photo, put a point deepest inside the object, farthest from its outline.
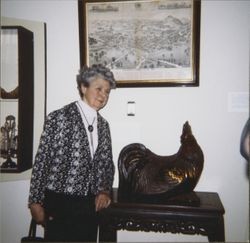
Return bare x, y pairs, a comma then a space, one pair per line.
37, 212
102, 200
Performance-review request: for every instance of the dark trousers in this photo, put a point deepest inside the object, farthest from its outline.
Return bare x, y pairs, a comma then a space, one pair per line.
70, 218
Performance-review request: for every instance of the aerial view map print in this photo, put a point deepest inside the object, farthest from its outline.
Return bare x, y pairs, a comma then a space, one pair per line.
141, 39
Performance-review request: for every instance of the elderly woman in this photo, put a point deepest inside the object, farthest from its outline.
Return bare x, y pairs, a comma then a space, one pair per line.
73, 170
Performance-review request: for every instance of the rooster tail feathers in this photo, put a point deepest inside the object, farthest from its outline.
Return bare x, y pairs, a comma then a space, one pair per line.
129, 157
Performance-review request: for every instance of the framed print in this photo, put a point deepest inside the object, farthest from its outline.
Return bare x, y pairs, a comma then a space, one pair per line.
145, 43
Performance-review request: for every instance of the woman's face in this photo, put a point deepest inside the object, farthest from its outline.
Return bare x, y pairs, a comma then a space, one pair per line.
97, 94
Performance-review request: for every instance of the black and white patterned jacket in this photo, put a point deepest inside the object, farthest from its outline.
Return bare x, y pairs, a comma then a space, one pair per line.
63, 161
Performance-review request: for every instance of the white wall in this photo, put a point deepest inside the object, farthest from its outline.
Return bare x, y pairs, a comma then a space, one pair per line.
160, 112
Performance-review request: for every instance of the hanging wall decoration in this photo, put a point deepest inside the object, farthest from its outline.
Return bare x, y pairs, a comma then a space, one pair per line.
145, 43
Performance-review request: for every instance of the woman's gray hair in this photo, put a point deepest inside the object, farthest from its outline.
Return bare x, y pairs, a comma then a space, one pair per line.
88, 74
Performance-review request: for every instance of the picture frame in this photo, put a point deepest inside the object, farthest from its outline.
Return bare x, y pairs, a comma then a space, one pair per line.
145, 43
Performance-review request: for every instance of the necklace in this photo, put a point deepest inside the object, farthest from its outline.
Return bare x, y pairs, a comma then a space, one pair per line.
90, 126
90, 129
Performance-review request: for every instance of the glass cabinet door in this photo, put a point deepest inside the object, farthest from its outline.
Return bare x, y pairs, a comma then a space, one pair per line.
16, 99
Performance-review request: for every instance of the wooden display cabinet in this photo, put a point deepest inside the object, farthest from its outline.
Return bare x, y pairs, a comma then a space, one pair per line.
16, 99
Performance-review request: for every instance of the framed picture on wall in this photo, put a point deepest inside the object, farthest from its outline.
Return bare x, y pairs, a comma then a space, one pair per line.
145, 43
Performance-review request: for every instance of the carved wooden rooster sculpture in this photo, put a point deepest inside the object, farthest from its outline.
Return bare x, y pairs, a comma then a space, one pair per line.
143, 173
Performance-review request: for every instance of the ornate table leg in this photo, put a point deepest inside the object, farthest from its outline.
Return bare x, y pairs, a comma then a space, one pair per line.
218, 232
107, 233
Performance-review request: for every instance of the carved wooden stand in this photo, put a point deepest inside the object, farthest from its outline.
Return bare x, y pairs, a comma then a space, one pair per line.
205, 219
